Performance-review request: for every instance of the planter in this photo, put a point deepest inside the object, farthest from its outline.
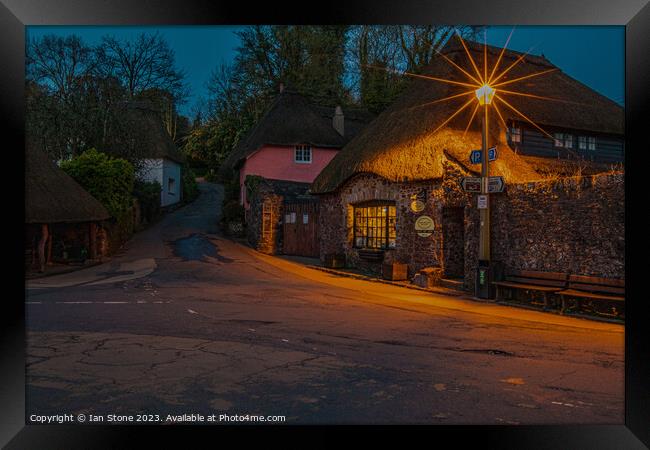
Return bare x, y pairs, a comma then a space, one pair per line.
335, 260
395, 271
428, 277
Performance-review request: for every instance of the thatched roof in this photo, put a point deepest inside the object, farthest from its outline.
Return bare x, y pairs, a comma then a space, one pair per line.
52, 196
400, 144
145, 120
292, 120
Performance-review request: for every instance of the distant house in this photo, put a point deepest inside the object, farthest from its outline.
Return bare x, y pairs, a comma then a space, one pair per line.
164, 160
63, 221
294, 140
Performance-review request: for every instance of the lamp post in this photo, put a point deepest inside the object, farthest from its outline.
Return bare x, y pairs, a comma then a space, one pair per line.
484, 94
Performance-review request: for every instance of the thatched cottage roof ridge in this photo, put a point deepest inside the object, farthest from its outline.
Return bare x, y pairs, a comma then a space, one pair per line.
52, 196
145, 117
401, 143
291, 119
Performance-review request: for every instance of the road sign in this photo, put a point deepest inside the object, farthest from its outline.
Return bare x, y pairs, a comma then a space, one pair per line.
482, 202
471, 184
496, 184
492, 153
476, 156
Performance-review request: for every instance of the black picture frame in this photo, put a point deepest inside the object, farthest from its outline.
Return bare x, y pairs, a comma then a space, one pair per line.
633, 14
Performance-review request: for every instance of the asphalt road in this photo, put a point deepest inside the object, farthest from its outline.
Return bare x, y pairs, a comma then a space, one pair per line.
185, 321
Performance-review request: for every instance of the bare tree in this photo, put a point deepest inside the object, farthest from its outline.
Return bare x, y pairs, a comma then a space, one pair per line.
141, 65
58, 63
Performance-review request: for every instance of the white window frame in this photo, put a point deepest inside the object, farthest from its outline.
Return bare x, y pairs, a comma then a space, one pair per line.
558, 140
171, 183
591, 143
514, 134
568, 140
300, 154
582, 142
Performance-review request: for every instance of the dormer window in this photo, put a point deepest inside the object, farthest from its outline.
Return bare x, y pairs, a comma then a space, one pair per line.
586, 142
582, 142
591, 143
302, 154
568, 140
514, 134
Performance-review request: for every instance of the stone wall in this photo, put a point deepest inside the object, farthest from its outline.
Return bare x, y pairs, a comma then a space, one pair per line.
263, 220
571, 224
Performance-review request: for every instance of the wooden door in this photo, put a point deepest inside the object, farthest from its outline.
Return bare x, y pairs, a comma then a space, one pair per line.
300, 229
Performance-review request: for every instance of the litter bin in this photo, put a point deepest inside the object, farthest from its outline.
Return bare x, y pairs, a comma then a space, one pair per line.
486, 273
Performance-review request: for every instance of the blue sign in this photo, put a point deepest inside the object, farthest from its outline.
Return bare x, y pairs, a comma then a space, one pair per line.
492, 153
476, 156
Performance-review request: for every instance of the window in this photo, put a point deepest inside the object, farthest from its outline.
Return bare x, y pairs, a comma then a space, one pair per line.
514, 134
568, 140
582, 142
171, 186
374, 226
591, 143
302, 154
558, 139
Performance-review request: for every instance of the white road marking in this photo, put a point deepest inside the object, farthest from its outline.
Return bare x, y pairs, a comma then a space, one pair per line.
96, 303
191, 311
73, 303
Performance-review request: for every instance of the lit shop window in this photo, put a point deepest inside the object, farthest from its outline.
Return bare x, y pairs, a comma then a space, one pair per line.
374, 226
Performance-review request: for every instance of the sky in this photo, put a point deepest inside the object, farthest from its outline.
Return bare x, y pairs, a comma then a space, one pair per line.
594, 55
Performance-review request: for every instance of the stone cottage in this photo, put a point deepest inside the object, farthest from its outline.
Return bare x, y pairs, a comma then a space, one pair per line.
393, 193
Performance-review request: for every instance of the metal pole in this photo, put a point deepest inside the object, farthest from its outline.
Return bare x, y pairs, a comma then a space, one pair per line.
484, 246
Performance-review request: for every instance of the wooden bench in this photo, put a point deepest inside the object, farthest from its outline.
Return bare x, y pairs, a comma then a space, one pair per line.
528, 280
594, 288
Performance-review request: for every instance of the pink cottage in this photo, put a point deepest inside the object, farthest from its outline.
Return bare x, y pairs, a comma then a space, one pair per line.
294, 140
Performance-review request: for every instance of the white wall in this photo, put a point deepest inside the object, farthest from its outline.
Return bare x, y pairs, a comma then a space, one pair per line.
162, 170
171, 193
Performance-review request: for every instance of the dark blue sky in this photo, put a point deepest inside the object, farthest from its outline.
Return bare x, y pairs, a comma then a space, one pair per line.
594, 55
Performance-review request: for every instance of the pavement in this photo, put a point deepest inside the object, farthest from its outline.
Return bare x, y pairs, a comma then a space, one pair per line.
185, 321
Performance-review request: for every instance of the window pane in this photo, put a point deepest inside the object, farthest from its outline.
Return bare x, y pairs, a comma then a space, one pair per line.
568, 141
375, 226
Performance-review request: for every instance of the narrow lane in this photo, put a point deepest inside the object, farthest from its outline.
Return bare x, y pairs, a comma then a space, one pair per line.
218, 328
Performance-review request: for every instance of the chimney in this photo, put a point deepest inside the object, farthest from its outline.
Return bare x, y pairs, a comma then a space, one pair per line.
281, 87
338, 121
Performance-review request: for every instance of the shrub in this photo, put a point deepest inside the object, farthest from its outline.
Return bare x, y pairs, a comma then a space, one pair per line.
233, 211
109, 180
148, 194
190, 188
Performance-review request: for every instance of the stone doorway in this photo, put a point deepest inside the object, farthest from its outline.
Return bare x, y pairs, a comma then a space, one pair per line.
453, 242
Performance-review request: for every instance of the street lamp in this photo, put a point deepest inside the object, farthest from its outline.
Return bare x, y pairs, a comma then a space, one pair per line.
484, 94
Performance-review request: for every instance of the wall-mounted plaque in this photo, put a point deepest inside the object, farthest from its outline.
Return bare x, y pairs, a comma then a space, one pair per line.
424, 226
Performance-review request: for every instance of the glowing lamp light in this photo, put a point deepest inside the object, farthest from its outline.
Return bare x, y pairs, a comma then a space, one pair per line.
484, 94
